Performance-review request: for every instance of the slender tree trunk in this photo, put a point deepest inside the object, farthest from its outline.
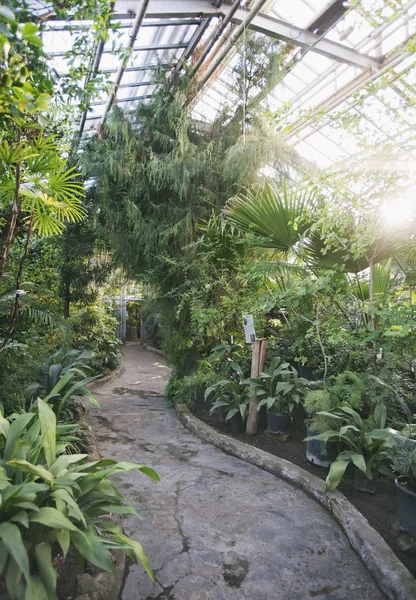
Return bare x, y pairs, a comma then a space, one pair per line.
321, 345
16, 305
257, 362
372, 316
67, 297
13, 221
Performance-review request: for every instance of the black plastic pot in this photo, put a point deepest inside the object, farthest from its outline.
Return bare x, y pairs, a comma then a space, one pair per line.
263, 418
236, 423
317, 452
307, 372
365, 484
222, 413
278, 423
406, 508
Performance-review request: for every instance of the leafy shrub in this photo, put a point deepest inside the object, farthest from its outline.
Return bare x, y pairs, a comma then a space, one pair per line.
404, 463
347, 389
51, 501
62, 379
316, 401
191, 389
93, 328
232, 395
367, 443
17, 369
279, 387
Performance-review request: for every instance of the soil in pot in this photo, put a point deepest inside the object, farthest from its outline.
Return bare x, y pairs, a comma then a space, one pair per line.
364, 483
406, 508
278, 423
236, 423
317, 452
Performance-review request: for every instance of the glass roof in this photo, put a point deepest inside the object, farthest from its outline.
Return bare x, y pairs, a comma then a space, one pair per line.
350, 79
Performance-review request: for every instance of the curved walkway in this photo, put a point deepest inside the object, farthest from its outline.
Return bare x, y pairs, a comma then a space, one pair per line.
215, 527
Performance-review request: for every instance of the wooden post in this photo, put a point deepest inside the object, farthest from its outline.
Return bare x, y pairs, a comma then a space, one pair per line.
257, 362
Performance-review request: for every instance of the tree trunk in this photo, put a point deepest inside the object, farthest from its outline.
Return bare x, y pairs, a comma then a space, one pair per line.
16, 305
257, 362
13, 221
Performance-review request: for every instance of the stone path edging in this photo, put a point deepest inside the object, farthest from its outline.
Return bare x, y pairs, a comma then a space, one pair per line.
118, 371
394, 580
154, 350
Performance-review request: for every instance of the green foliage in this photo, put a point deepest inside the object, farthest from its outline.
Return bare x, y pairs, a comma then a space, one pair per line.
191, 388
18, 367
368, 442
316, 401
279, 387
94, 329
347, 389
61, 380
25, 89
404, 463
54, 500
232, 394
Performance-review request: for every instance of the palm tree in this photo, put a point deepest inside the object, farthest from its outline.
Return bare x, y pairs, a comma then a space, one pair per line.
36, 185
286, 220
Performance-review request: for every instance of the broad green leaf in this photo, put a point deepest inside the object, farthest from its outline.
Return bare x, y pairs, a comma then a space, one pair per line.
336, 473
28, 506
61, 464
50, 517
43, 556
36, 590
12, 540
15, 431
75, 510
64, 540
4, 426
231, 413
3, 556
60, 385
47, 420
138, 551
150, 473
29, 29
359, 461
92, 549
13, 578
21, 517
27, 467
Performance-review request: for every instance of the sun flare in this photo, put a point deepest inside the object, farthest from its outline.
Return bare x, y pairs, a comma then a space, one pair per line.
398, 212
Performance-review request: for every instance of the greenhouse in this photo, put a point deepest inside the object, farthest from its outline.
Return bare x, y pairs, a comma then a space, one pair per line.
208, 299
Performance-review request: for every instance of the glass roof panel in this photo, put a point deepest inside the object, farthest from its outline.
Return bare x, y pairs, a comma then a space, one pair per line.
352, 102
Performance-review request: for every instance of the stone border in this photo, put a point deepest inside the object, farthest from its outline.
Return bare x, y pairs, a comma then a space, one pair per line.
389, 573
118, 371
154, 350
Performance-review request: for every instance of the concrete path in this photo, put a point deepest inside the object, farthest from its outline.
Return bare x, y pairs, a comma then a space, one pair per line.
215, 528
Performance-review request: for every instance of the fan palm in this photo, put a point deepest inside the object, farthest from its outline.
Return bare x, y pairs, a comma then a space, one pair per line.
284, 219
35, 182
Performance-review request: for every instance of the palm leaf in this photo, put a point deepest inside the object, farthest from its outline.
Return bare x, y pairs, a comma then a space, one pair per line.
280, 217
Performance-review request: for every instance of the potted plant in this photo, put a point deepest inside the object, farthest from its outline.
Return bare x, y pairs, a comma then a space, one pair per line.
230, 400
280, 390
317, 451
367, 442
404, 464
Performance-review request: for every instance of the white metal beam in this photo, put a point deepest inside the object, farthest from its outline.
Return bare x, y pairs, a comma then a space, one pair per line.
262, 23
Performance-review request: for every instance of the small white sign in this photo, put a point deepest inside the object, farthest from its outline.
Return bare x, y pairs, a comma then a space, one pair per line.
249, 329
